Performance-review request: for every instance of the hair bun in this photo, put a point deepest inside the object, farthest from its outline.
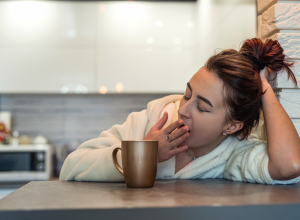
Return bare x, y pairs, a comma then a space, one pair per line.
257, 66
270, 54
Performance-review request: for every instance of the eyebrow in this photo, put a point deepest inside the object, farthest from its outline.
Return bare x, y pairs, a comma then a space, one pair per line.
200, 97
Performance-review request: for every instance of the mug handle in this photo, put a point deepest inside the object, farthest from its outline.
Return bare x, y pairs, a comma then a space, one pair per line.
115, 161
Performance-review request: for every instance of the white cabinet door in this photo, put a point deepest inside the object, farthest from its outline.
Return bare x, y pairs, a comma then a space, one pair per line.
45, 70
223, 25
146, 46
46, 45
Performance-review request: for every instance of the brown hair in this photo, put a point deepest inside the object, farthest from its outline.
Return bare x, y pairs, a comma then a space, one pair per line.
242, 86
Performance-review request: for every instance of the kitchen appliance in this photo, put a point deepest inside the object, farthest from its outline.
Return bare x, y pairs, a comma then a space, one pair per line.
25, 163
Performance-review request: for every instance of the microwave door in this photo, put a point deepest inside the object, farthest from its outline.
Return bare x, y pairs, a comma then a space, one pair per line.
21, 161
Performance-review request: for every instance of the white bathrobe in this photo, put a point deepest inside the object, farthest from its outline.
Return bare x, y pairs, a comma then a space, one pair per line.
236, 160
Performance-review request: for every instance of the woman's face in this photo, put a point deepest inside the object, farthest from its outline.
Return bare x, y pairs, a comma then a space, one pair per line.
202, 110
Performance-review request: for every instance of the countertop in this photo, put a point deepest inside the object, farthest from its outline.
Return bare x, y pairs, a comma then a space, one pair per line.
168, 199
8, 187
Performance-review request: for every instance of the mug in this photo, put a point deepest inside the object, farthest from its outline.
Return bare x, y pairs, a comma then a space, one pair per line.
139, 160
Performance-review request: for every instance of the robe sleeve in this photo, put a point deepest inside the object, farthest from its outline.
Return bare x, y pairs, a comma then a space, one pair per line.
92, 161
250, 164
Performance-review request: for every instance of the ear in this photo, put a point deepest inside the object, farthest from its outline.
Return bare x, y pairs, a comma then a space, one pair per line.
234, 127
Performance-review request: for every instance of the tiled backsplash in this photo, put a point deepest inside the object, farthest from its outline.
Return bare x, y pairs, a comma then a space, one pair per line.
63, 119
69, 120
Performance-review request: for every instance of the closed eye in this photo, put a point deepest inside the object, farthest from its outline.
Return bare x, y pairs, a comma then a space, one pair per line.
186, 98
197, 104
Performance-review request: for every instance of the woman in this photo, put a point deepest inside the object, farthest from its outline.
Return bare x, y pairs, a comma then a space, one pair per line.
206, 133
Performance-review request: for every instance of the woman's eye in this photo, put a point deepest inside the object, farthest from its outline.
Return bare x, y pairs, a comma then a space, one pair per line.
199, 107
186, 98
197, 103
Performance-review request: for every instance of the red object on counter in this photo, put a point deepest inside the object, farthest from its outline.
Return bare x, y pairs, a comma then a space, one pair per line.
2, 127
2, 131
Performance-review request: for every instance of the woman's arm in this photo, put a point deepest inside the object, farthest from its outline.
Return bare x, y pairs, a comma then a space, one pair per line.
283, 142
92, 161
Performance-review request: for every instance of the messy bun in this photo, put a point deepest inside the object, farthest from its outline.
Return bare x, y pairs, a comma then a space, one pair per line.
270, 54
242, 86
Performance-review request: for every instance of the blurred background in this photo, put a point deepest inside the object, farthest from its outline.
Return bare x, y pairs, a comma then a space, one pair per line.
72, 69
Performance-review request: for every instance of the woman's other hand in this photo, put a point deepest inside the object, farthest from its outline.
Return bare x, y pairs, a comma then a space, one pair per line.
266, 76
166, 147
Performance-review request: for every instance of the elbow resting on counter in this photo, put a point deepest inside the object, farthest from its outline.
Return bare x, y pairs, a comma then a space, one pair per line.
287, 172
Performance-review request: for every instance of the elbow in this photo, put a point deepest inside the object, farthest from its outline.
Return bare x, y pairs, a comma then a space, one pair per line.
295, 169
286, 172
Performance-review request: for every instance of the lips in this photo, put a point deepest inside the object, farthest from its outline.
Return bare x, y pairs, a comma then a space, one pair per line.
182, 126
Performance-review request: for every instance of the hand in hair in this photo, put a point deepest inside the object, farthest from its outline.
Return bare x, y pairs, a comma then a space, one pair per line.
271, 54
264, 74
267, 75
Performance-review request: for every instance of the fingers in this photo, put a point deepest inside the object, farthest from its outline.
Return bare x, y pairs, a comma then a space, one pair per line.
176, 134
180, 139
178, 150
173, 126
264, 74
159, 125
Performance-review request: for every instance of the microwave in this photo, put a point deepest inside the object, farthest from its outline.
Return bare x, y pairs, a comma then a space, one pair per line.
25, 163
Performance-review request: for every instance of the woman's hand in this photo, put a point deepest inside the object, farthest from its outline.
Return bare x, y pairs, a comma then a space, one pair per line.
266, 75
166, 147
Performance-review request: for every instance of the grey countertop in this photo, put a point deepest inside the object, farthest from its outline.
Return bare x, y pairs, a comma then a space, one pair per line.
168, 199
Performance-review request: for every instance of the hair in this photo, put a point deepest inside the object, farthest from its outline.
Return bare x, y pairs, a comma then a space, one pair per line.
242, 85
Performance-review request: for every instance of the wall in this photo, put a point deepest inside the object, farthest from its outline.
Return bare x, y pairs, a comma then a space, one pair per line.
280, 20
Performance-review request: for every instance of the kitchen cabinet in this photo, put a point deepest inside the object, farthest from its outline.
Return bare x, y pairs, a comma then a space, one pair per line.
45, 70
46, 45
146, 46
143, 47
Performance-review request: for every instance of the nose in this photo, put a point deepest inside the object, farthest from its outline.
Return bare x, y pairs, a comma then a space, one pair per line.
184, 110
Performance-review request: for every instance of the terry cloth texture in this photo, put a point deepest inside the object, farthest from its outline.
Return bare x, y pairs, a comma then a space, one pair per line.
235, 160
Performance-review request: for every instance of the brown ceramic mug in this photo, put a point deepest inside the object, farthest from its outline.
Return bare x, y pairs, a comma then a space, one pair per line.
139, 160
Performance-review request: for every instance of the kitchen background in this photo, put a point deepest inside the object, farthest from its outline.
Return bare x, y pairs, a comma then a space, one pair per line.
71, 69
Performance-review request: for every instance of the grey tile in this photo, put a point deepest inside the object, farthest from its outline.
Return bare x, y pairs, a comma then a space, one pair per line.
63, 118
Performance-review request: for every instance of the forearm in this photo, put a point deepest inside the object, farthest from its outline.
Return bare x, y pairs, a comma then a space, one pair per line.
92, 161
283, 142
91, 164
